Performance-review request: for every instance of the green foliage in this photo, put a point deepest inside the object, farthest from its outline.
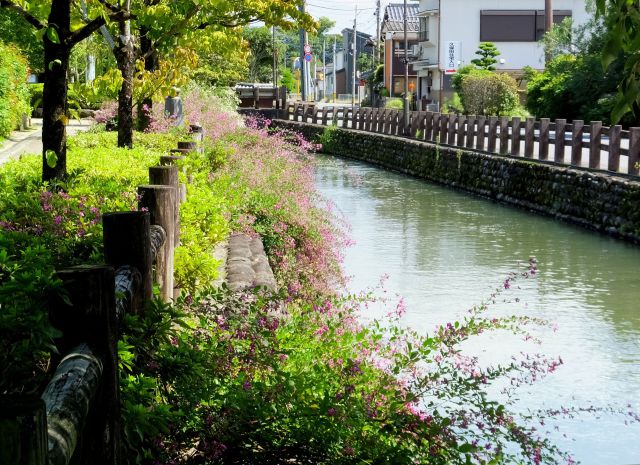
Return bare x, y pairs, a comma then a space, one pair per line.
487, 53
575, 85
495, 94
453, 105
327, 139
14, 29
394, 103
14, 92
287, 79
622, 20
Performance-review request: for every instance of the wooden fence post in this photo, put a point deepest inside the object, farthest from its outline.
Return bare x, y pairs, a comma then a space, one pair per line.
576, 142
443, 128
634, 150
23, 431
482, 121
471, 128
168, 176
504, 135
544, 138
515, 136
160, 201
462, 120
615, 133
88, 316
126, 239
529, 137
492, 134
428, 126
451, 130
561, 129
595, 139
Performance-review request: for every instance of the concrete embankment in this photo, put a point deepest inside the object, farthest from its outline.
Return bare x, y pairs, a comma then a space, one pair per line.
594, 199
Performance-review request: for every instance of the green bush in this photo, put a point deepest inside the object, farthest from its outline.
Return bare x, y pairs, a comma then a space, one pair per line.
14, 93
394, 104
490, 94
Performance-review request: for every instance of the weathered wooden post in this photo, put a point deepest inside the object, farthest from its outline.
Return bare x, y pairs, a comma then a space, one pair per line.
23, 431
504, 135
471, 129
325, 114
576, 142
615, 133
482, 120
559, 142
451, 129
544, 138
529, 137
443, 128
127, 242
462, 122
256, 97
168, 176
515, 137
634, 150
160, 201
88, 322
428, 127
492, 134
595, 139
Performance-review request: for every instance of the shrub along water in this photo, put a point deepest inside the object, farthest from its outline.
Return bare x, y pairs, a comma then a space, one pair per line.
254, 378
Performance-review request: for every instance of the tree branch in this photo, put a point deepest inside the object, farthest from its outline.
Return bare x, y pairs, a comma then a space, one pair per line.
35, 22
93, 25
109, 6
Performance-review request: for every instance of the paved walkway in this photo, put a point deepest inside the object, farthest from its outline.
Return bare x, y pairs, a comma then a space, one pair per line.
30, 141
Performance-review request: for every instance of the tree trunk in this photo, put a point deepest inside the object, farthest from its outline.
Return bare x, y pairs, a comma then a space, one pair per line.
125, 58
54, 97
150, 64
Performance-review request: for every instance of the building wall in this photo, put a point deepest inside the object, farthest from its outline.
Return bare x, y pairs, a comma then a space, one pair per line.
460, 21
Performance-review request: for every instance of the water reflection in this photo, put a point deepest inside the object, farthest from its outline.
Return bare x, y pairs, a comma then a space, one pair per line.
446, 250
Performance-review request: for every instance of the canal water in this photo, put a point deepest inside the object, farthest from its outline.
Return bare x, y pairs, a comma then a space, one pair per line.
445, 251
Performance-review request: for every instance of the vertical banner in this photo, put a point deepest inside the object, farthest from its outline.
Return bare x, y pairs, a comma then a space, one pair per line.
452, 57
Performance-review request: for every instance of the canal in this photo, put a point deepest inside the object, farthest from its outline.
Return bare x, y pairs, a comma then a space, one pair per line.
445, 251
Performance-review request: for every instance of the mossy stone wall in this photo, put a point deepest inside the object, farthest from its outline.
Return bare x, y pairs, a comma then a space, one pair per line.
597, 200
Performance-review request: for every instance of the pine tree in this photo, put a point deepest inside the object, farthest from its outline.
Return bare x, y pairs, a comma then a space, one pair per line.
487, 53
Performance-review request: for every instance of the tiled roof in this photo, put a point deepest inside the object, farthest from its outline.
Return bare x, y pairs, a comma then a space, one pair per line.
394, 17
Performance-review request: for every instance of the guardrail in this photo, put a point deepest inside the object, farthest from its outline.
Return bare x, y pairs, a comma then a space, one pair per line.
572, 144
77, 418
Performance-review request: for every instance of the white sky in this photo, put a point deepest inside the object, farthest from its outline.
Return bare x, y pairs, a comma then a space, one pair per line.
342, 12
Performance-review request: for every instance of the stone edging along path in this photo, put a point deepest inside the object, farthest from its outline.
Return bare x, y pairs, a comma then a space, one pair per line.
247, 265
596, 200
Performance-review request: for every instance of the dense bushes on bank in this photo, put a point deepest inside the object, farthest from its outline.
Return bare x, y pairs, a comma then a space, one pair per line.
14, 92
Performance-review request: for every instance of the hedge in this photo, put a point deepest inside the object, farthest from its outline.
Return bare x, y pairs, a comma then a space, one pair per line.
14, 91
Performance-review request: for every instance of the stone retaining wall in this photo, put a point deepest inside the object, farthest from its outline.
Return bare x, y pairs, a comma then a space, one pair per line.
594, 199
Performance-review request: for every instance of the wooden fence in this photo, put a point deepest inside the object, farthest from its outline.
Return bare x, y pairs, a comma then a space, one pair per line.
77, 418
573, 144
262, 97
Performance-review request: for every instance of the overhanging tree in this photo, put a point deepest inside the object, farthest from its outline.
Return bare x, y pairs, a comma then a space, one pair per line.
61, 28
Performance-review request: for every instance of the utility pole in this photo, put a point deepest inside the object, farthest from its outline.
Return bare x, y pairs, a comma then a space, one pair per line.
303, 74
548, 25
275, 58
378, 33
324, 68
334, 69
354, 56
405, 106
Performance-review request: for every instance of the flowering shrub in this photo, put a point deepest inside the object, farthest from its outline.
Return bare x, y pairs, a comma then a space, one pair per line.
256, 379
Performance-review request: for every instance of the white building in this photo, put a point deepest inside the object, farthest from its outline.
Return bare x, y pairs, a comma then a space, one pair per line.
451, 31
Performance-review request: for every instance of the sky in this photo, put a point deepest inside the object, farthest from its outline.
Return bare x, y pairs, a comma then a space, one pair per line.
342, 12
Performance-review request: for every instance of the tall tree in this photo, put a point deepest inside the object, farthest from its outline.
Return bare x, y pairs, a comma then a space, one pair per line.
622, 20
61, 31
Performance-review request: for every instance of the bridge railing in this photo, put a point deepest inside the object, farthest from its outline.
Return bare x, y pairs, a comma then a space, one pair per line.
76, 419
572, 144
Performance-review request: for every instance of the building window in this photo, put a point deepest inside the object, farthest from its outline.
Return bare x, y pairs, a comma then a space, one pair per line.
424, 29
515, 25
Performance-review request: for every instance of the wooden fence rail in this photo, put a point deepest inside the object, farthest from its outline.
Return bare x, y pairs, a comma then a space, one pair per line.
77, 418
572, 144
